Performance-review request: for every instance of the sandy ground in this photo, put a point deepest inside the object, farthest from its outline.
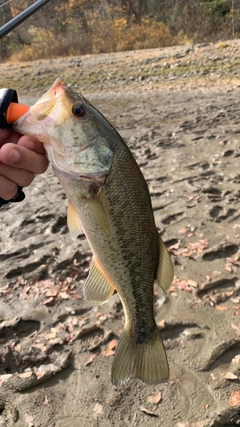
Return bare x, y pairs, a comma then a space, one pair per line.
178, 109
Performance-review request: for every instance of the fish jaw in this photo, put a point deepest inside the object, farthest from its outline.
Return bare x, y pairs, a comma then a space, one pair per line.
44, 115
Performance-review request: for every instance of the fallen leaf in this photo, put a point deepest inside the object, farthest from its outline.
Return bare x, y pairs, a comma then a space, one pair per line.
112, 344
162, 324
236, 328
97, 410
48, 301
192, 283
110, 350
234, 399
203, 423
27, 374
9, 323
90, 359
183, 231
29, 420
154, 398
51, 293
236, 359
221, 307
45, 402
213, 376
153, 414
63, 295
4, 378
50, 335
187, 424
230, 376
39, 374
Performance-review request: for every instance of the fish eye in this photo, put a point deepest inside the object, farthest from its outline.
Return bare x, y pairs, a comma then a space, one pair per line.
78, 110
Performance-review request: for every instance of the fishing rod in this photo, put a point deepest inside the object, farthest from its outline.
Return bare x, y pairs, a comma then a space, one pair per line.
21, 17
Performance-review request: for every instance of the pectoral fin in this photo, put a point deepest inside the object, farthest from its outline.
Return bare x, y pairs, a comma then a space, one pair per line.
73, 220
97, 289
99, 213
165, 272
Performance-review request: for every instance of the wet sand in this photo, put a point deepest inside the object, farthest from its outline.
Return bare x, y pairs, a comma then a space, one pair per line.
56, 350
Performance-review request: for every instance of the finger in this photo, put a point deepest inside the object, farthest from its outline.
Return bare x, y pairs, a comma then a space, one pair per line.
18, 176
32, 144
7, 135
8, 188
22, 158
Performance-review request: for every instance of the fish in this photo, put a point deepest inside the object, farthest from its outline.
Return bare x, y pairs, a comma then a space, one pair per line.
108, 198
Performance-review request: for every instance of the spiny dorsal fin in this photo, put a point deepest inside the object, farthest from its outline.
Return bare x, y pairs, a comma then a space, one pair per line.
165, 272
99, 214
97, 289
73, 220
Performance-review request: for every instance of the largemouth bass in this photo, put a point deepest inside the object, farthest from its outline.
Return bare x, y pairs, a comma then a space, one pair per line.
109, 199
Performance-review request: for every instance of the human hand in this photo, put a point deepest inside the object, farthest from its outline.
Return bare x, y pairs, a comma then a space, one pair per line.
21, 157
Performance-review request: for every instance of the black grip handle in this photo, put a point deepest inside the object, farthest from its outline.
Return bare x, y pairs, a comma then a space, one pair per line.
6, 97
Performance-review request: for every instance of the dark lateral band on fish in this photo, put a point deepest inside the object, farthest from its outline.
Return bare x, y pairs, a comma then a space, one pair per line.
109, 199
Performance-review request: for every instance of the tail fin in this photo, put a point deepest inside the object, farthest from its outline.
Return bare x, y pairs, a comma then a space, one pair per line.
147, 361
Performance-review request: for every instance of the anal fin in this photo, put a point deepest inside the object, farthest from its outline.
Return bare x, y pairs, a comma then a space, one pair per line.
165, 272
96, 288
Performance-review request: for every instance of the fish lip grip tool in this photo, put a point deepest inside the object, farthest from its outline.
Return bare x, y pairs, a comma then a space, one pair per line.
10, 111
15, 111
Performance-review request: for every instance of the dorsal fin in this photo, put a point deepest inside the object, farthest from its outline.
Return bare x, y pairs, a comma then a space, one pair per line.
165, 272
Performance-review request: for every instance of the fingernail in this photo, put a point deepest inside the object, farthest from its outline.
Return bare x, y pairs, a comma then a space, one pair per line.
30, 145
13, 156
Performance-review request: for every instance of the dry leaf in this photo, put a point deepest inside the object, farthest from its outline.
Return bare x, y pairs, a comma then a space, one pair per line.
48, 301
153, 414
39, 374
154, 398
45, 402
234, 399
90, 359
183, 231
4, 378
9, 323
236, 328
162, 324
203, 423
110, 350
112, 344
63, 295
192, 283
29, 420
221, 307
236, 359
97, 410
230, 376
27, 374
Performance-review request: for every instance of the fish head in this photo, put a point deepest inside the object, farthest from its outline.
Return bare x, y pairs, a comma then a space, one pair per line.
72, 132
